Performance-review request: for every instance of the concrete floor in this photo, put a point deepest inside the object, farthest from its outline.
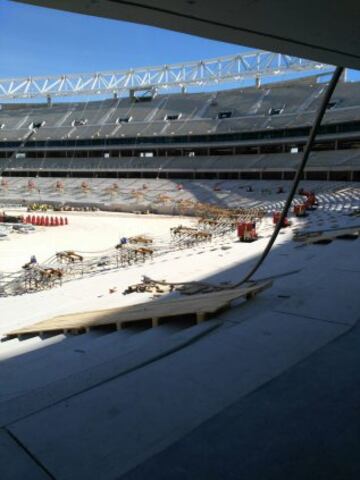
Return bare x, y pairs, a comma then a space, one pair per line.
305, 424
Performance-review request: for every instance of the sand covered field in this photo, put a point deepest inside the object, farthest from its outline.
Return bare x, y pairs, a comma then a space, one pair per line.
86, 232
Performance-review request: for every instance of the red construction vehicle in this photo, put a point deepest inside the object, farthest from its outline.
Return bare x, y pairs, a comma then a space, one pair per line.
246, 232
276, 220
311, 200
300, 210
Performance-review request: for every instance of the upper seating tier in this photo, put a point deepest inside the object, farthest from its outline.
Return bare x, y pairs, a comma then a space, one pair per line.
274, 106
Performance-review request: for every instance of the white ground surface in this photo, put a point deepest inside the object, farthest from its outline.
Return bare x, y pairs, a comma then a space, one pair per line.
86, 232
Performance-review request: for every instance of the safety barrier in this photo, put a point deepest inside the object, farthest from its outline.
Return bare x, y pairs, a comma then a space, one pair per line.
45, 221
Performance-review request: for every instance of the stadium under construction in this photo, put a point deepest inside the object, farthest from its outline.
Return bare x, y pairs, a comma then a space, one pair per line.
179, 268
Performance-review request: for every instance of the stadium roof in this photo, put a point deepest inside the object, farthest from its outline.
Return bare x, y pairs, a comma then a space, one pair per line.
323, 30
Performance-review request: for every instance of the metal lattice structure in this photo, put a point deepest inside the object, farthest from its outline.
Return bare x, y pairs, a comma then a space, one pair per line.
236, 68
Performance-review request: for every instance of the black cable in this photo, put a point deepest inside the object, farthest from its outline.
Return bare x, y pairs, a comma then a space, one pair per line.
314, 129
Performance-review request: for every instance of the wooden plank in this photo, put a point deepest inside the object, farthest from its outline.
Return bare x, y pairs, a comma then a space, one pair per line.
199, 305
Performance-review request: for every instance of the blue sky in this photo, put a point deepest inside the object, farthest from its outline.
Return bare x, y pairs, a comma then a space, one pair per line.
36, 41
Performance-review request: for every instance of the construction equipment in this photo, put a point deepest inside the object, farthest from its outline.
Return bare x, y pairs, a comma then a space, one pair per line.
246, 232
38, 277
276, 219
300, 210
311, 201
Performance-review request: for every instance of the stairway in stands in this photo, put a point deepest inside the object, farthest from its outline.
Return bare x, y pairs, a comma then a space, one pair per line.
32, 363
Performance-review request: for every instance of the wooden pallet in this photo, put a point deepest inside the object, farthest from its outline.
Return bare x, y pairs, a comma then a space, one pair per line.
201, 306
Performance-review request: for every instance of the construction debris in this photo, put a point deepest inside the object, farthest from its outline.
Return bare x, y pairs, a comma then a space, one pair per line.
246, 232
148, 286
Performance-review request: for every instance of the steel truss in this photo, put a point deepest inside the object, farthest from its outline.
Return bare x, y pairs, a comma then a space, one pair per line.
252, 65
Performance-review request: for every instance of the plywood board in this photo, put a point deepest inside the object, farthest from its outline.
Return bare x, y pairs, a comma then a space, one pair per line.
200, 305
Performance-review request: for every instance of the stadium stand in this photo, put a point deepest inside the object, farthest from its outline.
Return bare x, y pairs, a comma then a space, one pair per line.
254, 132
278, 105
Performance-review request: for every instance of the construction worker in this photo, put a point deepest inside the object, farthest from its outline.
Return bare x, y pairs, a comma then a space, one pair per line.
123, 241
